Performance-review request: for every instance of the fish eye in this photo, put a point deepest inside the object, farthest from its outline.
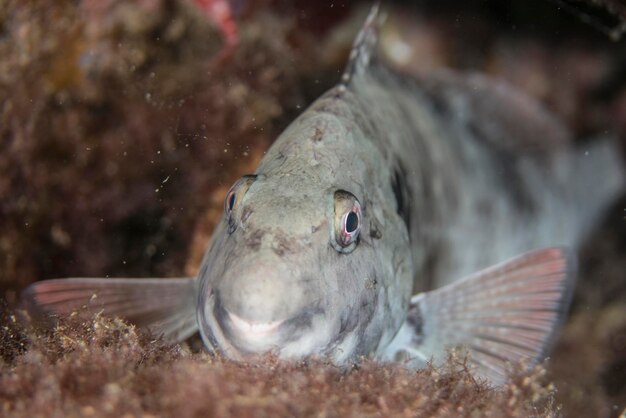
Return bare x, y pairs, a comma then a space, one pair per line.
351, 222
231, 198
347, 222
237, 192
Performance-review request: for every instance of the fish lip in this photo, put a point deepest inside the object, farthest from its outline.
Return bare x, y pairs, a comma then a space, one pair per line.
253, 329
237, 330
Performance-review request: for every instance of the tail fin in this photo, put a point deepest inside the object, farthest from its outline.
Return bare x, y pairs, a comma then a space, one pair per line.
167, 307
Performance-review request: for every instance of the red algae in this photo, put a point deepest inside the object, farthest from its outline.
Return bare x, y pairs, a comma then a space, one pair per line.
117, 123
105, 368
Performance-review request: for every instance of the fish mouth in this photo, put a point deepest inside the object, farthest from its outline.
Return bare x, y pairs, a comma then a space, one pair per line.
255, 337
253, 329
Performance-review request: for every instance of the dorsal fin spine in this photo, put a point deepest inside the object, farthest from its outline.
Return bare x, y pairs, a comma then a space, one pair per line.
365, 44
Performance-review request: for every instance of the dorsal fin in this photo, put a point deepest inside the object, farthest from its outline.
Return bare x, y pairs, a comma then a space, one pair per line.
496, 113
365, 44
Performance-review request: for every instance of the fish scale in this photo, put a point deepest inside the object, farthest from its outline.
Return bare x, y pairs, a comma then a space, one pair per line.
396, 218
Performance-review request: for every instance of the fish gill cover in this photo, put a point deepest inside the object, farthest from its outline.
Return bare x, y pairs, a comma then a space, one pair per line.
122, 126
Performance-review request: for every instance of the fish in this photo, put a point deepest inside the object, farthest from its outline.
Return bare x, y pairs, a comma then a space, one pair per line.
400, 216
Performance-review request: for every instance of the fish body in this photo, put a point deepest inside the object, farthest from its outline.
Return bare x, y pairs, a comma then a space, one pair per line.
387, 186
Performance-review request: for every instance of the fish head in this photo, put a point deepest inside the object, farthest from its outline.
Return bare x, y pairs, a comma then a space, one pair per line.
298, 268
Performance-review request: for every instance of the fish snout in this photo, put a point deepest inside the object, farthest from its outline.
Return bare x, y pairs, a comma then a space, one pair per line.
264, 291
261, 309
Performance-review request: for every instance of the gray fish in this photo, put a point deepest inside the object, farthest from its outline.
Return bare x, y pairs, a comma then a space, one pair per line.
453, 187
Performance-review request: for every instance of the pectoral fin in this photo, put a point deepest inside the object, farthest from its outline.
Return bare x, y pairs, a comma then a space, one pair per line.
167, 307
502, 315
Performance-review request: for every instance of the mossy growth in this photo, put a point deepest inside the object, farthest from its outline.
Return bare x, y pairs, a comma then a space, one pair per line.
106, 368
